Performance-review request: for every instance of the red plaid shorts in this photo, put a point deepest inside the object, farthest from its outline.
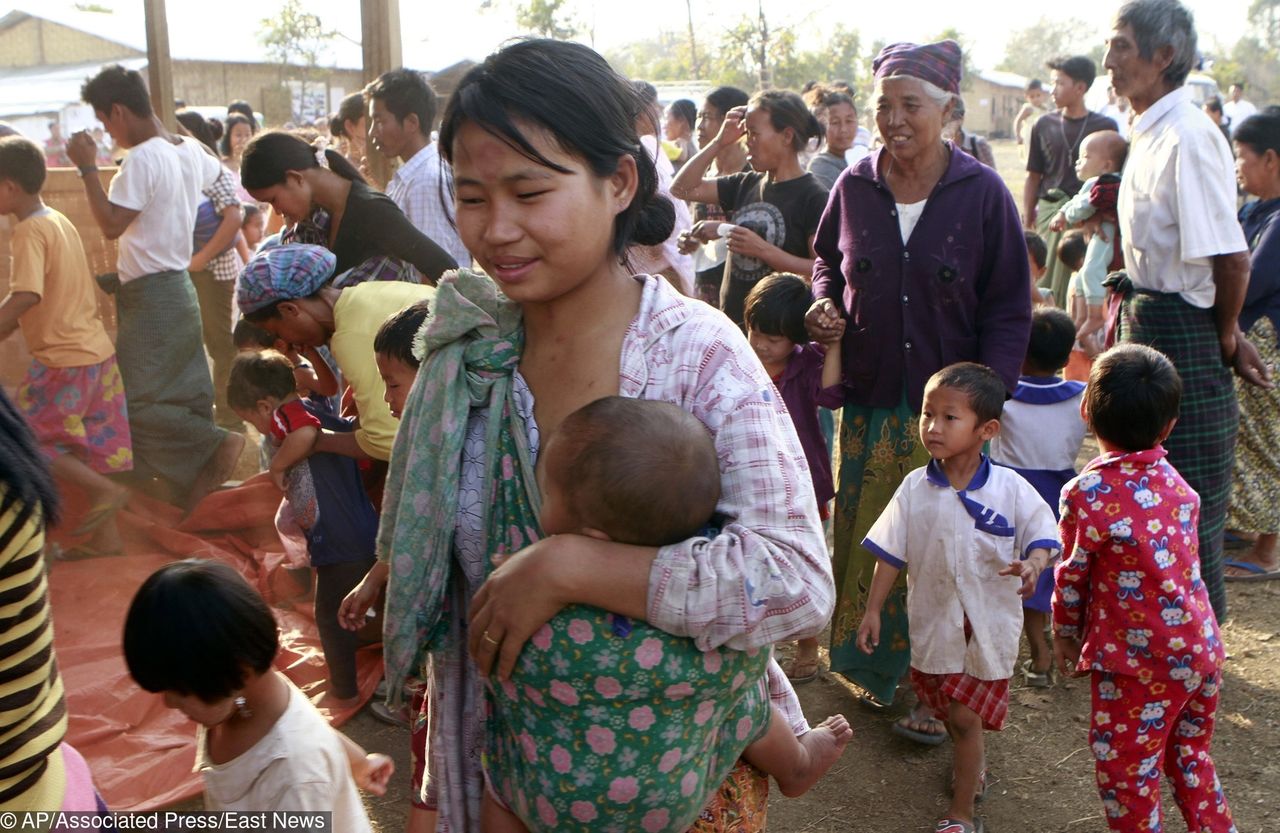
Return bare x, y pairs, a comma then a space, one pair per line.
989, 699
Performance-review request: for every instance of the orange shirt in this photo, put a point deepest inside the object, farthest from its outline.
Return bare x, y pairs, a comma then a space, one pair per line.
65, 328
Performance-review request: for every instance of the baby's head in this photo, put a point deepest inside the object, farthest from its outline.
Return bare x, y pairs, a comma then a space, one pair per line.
257, 384
633, 470
1133, 398
393, 351
1072, 250
254, 224
251, 337
1035, 93
774, 314
198, 633
961, 410
1103, 152
1053, 334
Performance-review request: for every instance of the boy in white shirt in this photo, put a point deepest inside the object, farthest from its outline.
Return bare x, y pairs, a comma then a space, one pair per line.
976, 537
151, 209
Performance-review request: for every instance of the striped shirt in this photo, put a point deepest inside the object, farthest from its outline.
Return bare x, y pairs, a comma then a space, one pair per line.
33, 712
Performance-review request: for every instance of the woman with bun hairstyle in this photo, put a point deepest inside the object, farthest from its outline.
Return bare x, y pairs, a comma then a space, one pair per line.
775, 206
296, 179
552, 188
350, 126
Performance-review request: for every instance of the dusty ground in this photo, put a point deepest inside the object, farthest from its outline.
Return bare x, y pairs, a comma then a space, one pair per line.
1041, 767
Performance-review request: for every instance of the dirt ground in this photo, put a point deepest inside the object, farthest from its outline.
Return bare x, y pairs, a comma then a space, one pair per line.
1041, 766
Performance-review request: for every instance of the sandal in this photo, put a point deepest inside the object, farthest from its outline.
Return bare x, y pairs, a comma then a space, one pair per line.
957, 826
100, 514
800, 672
1037, 679
907, 727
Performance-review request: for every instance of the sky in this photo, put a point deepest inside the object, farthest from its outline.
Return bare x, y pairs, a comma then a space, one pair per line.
437, 33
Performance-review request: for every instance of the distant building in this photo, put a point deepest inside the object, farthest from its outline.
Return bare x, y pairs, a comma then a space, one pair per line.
992, 102
46, 55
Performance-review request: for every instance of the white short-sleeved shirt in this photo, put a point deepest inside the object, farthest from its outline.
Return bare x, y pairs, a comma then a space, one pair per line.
164, 182
1041, 427
954, 543
1238, 111
1177, 202
300, 764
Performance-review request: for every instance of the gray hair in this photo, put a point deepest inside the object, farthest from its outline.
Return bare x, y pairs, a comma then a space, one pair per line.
1160, 23
934, 93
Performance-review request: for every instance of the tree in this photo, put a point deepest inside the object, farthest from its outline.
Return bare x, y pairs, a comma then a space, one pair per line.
1028, 49
296, 40
548, 19
1255, 58
966, 66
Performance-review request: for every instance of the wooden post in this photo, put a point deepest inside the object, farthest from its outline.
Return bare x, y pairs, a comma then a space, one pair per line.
380, 43
159, 65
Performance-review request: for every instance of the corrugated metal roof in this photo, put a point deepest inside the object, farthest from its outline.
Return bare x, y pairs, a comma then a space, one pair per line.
29, 90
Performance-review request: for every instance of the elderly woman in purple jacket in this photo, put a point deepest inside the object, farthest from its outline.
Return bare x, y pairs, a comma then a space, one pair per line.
921, 253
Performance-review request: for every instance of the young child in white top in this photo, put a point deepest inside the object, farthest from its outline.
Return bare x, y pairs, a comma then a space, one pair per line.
197, 633
976, 537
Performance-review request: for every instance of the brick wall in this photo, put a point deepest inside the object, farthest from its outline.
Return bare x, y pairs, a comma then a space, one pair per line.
34, 42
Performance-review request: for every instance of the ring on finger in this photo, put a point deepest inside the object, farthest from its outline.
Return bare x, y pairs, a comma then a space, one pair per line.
487, 638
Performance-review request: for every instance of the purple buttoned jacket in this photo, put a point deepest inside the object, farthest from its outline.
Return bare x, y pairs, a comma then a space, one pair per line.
959, 290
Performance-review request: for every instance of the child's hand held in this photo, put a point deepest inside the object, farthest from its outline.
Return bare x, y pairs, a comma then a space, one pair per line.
1066, 655
377, 774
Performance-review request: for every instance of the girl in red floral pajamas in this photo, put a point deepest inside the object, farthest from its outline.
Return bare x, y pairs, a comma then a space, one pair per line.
1129, 607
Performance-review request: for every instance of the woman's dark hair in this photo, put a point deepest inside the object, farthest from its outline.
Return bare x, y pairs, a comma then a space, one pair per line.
23, 472
404, 91
395, 336
350, 110
983, 386
683, 108
1261, 131
725, 99
776, 307
232, 120
1134, 392
196, 627
573, 94
245, 109
117, 85
1053, 334
198, 126
831, 98
786, 109
1214, 105
258, 375
269, 156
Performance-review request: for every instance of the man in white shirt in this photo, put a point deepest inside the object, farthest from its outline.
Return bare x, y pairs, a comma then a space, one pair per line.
151, 210
1237, 108
402, 110
1185, 255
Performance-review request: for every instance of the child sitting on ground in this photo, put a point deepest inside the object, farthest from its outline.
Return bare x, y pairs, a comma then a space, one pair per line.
1040, 437
976, 538
72, 394
324, 496
1130, 609
1038, 260
807, 376
1101, 158
197, 633
640, 472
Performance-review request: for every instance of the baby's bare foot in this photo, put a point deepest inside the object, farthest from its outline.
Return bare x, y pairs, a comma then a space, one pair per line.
821, 747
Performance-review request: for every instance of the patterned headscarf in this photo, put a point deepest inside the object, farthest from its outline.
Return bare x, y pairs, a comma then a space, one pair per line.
938, 63
283, 273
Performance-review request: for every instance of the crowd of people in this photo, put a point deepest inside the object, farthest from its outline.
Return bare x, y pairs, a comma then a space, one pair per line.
573, 399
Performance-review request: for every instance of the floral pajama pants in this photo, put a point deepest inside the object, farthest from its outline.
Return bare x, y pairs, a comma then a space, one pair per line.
1143, 727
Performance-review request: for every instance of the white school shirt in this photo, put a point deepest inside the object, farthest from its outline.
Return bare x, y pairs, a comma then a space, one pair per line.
423, 188
300, 765
1177, 202
163, 182
1041, 426
953, 544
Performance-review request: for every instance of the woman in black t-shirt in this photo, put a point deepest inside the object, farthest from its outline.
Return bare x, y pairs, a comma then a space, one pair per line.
775, 206
283, 170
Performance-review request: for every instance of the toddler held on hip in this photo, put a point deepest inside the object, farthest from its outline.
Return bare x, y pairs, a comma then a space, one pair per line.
963, 596
645, 473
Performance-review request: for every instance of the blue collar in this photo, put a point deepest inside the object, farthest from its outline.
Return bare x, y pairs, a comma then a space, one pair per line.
985, 519
1045, 390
